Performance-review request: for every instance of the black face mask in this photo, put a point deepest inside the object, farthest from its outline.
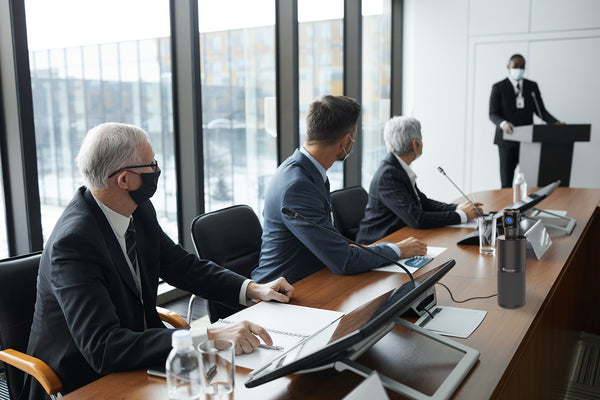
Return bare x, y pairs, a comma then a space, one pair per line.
148, 188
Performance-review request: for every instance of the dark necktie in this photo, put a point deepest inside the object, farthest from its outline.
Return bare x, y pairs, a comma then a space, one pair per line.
328, 190
518, 89
130, 245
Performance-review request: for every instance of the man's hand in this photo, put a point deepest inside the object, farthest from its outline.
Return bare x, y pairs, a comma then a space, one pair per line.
279, 290
242, 334
468, 209
411, 247
507, 127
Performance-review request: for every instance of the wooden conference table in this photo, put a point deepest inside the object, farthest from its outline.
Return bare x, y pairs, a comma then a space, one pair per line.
524, 352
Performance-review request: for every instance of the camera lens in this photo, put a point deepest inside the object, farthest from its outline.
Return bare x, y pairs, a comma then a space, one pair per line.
509, 220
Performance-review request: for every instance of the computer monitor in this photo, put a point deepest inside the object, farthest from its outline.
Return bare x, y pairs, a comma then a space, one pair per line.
529, 202
342, 337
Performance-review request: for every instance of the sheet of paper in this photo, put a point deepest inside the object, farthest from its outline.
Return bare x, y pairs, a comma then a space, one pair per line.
469, 224
452, 321
371, 388
414, 263
287, 325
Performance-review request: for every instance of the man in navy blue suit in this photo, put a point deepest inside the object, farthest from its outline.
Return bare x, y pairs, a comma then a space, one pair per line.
512, 103
395, 201
293, 248
95, 311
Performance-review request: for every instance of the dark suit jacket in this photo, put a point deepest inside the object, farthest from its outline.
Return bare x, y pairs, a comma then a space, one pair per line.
88, 319
503, 107
293, 248
393, 204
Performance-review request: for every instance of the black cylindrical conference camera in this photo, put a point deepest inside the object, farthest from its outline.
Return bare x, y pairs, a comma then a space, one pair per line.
510, 222
511, 258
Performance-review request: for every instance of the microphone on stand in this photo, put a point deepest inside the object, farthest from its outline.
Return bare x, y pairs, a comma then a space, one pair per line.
537, 106
293, 214
441, 170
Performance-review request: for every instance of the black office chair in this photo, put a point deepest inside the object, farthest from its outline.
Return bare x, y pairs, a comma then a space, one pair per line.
230, 237
348, 207
18, 279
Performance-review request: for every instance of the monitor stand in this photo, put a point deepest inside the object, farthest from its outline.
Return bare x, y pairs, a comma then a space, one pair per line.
556, 225
443, 392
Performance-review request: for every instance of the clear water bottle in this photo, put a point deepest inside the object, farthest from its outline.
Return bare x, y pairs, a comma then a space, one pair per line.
519, 185
183, 368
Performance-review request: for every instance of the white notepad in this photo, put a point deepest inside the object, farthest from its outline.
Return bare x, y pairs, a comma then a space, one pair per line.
452, 321
287, 325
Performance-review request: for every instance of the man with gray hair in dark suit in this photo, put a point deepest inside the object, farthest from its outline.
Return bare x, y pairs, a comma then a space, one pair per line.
395, 201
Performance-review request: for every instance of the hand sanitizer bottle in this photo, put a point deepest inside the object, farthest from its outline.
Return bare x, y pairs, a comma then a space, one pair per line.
519, 185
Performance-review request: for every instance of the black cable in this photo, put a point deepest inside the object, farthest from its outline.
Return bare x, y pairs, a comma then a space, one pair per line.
469, 299
428, 312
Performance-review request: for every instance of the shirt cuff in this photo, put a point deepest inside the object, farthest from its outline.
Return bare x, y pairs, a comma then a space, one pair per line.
199, 335
502, 124
394, 247
462, 215
244, 300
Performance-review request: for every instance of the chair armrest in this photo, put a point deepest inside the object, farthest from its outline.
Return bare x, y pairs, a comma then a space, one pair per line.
172, 318
34, 367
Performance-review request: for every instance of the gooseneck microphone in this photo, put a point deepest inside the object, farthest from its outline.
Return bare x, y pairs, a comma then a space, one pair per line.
293, 214
537, 106
441, 170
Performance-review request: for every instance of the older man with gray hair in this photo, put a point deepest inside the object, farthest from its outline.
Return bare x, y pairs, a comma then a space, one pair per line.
395, 201
95, 311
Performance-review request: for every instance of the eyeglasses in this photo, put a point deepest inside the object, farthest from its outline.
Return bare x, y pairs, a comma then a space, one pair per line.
153, 165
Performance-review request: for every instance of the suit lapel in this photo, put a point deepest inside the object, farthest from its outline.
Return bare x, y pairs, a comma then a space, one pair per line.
408, 188
314, 175
114, 248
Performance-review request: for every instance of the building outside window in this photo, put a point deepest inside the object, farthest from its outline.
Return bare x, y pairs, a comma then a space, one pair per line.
320, 62
91, 65
376, 83
237, 51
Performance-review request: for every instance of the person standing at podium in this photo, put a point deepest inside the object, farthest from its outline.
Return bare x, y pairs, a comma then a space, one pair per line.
512, 103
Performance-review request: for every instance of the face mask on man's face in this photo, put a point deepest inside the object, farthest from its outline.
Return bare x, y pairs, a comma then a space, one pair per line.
516, 73
148, 188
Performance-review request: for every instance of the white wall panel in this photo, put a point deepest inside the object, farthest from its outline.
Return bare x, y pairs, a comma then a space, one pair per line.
490, 17
557, 15
435, 80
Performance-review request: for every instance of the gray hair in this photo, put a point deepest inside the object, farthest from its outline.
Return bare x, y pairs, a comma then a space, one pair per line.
399, 133
106, 148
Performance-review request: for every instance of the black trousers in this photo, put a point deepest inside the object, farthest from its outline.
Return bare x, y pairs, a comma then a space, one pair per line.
509, 158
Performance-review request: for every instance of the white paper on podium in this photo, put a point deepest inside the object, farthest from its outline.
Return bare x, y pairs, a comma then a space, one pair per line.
520, 134
414, 263
452, 321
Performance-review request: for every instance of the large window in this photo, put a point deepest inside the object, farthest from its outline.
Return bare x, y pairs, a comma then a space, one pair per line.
94, 62
376, 83
320, 61
237, 50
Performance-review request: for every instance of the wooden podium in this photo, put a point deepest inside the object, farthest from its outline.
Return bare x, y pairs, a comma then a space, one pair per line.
546, 152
